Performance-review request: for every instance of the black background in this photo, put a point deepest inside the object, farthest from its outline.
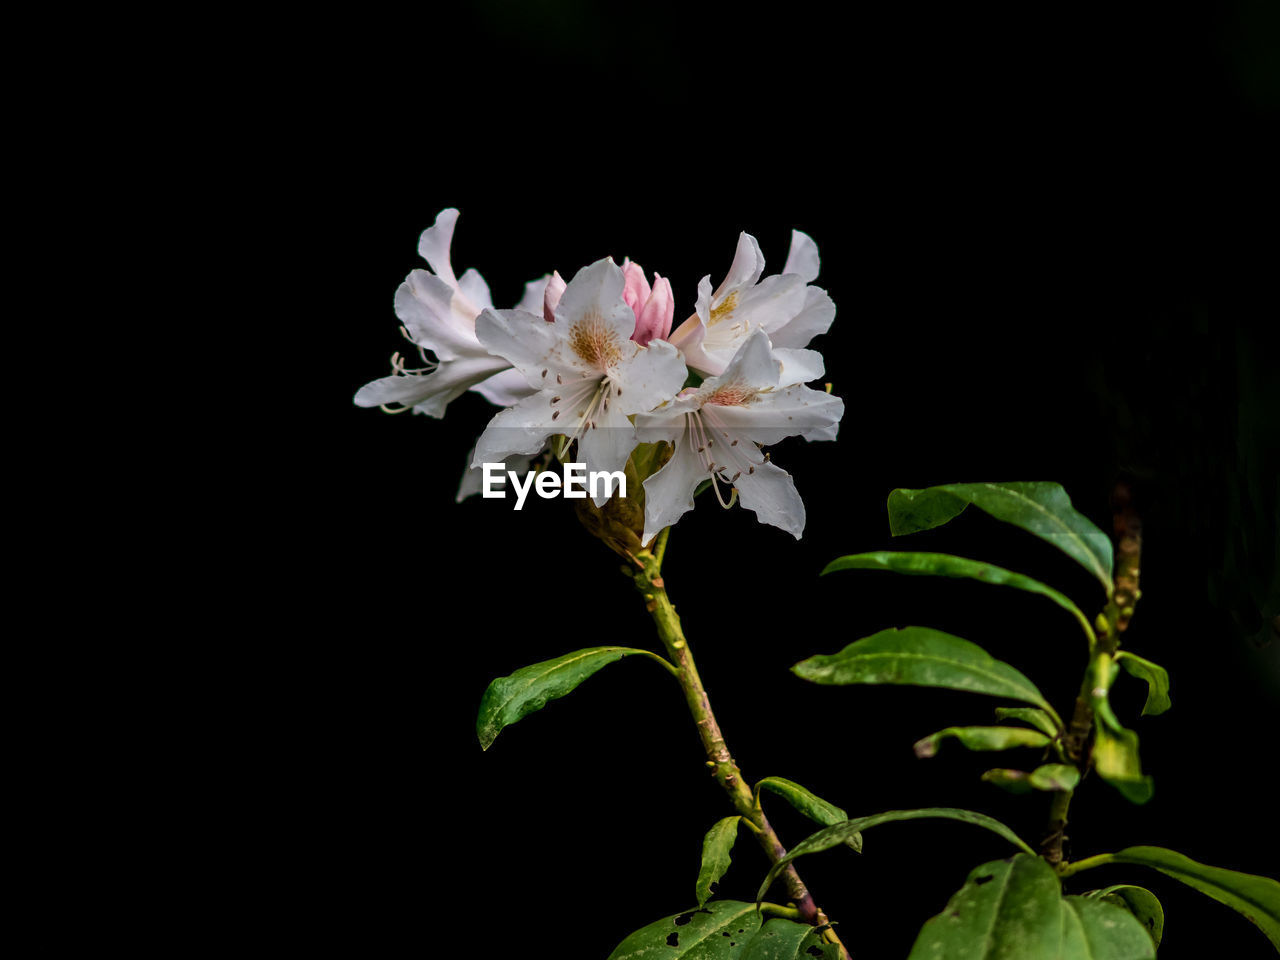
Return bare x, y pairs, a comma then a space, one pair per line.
1049, 237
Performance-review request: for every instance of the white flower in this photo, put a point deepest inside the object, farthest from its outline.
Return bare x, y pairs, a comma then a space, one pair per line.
715, 428
587, 373
785, 306
439, 313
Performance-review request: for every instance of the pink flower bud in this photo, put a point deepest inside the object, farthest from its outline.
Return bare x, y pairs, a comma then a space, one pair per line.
551, 298
653, 321
636, 288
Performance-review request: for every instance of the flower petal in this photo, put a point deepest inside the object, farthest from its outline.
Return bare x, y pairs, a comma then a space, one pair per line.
813, 320
424, 304
475, 293
593, 320
473, 477
434, 244
668, 494
754, 365
650, 376
799, 366
802, 258
796, 411
528, 343
654, 320
635, 289
771, 494
505, 388
430, 393
534, 291
522, 428
748, 264
606, 444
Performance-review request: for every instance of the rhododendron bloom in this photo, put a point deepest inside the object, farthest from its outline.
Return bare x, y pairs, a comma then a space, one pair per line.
785, 306
716, 431
587, 374
654, 307
439, 313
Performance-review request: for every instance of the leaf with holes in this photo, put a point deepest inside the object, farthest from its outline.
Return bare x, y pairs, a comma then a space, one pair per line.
787, 940
946, 565
1115, 757
1039, 507
836, 834
982, 738
1257, 898
1139, 901
716, 846
511, 698
1098, 930
808, 803
1007, 910
719, 931
1157, 678
923, 657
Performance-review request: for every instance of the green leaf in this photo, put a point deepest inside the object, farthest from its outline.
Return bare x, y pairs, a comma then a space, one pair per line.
923, 657
982, 738
946, 565
1139, 901
1040, 508
1157, 678
808, 803
1055, 776
1015, 781
716, 846
1257, 898
781, 939
1098, 930
509, 699
1115, 757
836, 834
695, 935
1036, 718
1007, 910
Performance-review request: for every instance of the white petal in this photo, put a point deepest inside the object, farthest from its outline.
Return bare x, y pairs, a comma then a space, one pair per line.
666, 423
813, 320
473, 477
592, 301
519, 429
668, 494
802, 258
772, 303
748, 264
650, 376
505, 388
531, 302
424, 304
754, 365
528, 343
430, 393
433, 245
799, 366
607, 445
770, 493
795, 411
472, 286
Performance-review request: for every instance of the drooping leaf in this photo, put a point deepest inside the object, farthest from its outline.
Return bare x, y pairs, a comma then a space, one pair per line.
1115, 757
1139, 901
1015, 781
808, 803
511, 698
836, 834
1098, 930
716, 847
1040, 508
1157, 678
695, 935
923, 657
982, 738
1257, 898
1055, 776
946, 565
1007, 910
781, 939
1036, 718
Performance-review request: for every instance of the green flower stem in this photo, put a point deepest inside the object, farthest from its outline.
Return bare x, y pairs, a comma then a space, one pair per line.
1088, 863
1111, 623
649, 582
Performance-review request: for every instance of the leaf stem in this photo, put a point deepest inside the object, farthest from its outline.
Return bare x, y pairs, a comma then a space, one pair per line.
1088, 863
649, 582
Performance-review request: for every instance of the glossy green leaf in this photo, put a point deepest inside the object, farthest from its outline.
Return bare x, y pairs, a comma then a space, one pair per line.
1115, 757
511, 698
923, 657
1139, 901
695, 935
1036, 718
1055, 776
836, 834
716, 847
982, 738
1257, 898
1157, 678
808, 803
1007, 910
787, 940
1098, 930
1040, 508
946, 565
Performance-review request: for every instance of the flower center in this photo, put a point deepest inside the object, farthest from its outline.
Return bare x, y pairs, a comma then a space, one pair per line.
724, 309
731, 395
594, 342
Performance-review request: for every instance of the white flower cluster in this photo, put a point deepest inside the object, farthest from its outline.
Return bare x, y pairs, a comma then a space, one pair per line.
596, 361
